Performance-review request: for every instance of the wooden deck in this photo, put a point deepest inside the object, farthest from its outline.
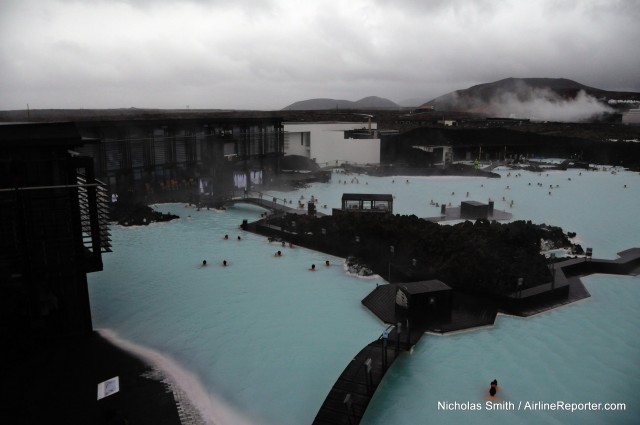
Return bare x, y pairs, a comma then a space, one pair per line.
467, 311
568, 274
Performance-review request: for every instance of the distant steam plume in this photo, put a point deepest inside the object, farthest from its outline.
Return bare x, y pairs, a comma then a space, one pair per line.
540, 99
547, 105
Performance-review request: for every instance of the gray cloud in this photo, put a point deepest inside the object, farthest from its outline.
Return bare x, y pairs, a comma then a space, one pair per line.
268, 54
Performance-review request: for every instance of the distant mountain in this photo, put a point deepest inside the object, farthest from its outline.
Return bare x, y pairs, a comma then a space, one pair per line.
371, 102
491, 98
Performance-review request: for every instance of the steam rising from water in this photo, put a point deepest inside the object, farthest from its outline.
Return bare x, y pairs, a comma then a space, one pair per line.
517, 99
546, 105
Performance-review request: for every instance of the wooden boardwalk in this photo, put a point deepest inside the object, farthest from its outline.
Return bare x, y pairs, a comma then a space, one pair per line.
348, 399
568, 274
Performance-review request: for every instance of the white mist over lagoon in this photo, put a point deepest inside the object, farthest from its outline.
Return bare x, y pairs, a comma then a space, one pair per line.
267, 338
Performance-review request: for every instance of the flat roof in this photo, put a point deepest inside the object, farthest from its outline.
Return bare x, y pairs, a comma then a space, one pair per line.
424, 286
367, 197
26, 135
474, 203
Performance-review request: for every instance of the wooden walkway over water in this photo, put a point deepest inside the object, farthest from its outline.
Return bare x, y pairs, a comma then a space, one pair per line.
348, 399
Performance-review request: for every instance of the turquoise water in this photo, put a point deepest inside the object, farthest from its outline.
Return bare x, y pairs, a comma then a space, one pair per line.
266, 339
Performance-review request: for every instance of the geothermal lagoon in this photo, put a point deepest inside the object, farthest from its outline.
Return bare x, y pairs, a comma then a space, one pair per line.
262, 340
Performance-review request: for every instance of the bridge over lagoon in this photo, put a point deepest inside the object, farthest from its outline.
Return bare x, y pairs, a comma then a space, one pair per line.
272, 203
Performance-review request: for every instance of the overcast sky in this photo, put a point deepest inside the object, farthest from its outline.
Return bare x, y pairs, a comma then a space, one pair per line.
267, 54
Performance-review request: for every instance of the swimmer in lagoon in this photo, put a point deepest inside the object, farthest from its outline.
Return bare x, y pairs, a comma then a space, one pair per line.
226, 237
327, 263
239, 238
313, 268
204, 264
224, 263
278, 254
493, 389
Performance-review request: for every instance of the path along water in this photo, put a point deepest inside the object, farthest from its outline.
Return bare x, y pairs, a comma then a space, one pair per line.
266, 338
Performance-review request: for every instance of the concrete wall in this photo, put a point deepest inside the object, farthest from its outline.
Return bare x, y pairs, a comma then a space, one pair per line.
631, 117
327, 143
297, 143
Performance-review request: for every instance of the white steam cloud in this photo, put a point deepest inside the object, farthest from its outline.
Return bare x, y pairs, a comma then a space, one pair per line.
546, 105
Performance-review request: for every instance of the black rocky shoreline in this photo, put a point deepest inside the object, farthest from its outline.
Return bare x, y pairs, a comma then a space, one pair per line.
131, 214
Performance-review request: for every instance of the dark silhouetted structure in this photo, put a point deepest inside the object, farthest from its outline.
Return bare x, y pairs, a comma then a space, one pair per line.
474, 210
366, 202
420, 301
168, 159
53, 227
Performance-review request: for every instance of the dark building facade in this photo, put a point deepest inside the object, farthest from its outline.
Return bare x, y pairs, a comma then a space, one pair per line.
428, 300
473, 210
156, 159
53, 227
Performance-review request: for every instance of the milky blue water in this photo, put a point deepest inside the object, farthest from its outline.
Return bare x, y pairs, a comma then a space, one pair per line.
266, 338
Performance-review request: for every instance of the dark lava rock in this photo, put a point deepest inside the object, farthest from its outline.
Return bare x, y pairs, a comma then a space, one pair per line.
137, 214
481, 256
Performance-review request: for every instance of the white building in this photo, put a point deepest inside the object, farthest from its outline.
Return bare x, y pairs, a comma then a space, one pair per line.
631, 117
333, 143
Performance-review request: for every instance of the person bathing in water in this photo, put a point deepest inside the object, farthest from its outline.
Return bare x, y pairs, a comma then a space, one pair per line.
493, 389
